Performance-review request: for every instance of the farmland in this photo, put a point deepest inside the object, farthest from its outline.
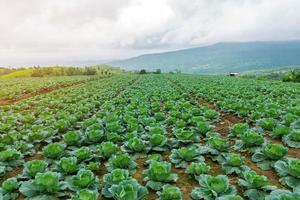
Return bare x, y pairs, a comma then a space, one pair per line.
154, 136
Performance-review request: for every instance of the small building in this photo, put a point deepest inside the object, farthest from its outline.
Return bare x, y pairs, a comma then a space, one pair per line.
233, 74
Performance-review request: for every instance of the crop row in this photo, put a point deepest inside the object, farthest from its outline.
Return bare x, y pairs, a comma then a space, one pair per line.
14, 88
152, 141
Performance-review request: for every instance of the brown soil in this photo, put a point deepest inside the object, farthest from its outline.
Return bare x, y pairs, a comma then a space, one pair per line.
35, 157
271, 174
40, 92
208, 104
13, 173
226, 121
185, 183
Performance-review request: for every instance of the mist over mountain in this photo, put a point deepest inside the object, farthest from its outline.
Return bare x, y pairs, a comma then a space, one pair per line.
220, 58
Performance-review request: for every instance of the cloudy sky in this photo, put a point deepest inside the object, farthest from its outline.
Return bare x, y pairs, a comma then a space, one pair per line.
76, 31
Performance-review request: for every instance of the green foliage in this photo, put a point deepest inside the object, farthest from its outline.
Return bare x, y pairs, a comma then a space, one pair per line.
170, 192
212, 187
158, 174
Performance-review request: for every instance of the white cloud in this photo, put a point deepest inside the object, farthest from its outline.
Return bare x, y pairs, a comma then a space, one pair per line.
62, 31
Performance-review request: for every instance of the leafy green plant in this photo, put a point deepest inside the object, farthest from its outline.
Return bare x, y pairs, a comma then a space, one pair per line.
232, 163
218, 145
10, 158
289, 170
183, 136
72, 138
239, 129
158, 174
197, 168
33, 167
268, 155
283, 195
280, 131
82, 154
68, 165
256, 186
183, 156
292, 139
9, 189
128, 190
114, 178
250, 141
85, 194
84, 179
212, 187
121, 161
158, 142
170, 192
93, 135
134, 145
54, 150
268, 124
47, 183
107, 149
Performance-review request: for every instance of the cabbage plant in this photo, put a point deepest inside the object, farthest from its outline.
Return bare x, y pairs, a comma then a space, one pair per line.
107, 149
183, 156
197, 168
158, 142
238, 129
121, 161
292, 139
212, 187
250, 141
114, 178
232, 163
266, 156
135, 145
84, 179
72, 138
218, 145
230, 197
184, 137
9, 189
31, 168
10, 158
283, 195
47, 183
54, 150
128, 190
82, 154
158, 174
256, 186
268, 124
93, 135
85, 194
67, 165
169, 192
280, 131
289, 170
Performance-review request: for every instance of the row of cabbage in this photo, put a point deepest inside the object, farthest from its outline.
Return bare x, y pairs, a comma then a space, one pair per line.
251, 140
148, 121
15, 87
274, 107
24, 128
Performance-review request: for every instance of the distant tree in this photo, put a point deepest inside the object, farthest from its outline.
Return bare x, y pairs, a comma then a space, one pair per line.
158, 71
90, 71
143, 71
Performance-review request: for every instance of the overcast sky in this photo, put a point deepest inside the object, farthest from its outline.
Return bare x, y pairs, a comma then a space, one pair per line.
69, 31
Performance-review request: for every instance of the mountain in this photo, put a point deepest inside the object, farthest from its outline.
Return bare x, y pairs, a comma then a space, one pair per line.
220, 58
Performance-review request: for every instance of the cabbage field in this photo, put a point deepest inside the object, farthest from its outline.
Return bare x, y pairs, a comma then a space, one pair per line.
154, 136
